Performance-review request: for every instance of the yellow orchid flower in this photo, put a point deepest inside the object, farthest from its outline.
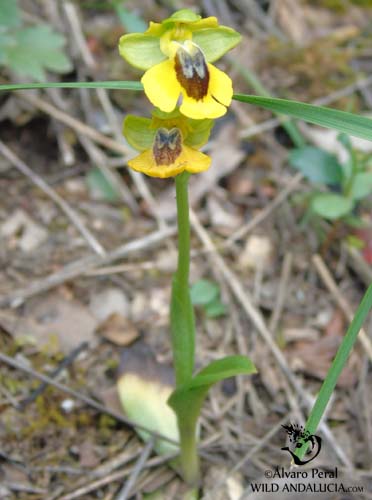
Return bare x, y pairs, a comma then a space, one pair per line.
169, 156
168, 145
205, 90
177, 55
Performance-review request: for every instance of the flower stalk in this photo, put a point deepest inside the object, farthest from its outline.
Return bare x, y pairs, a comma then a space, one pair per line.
182, 313
183, 330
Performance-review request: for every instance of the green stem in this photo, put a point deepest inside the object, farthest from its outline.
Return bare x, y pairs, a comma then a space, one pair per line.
183, 329
182, 313
183, 268
338, 363
189, 455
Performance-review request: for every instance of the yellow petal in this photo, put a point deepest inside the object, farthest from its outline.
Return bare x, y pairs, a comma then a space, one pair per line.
205, 108
220, 85
161, 85
145, 163
195, 160
213, 105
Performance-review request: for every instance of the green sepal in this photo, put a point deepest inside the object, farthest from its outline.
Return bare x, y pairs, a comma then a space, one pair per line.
183, 16
215, 42
141, 50
138, 132
199, 132
187, 399
164, 115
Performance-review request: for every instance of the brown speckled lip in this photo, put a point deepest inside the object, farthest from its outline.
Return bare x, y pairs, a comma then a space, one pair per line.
167, 146
192, 73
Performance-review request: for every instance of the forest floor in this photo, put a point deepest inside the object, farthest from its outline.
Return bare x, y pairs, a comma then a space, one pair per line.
86, 266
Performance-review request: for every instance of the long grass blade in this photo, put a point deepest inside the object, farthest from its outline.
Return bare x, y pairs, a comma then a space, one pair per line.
358, 126
114, 85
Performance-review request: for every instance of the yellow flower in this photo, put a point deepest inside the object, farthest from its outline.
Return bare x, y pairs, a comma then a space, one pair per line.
169, 156
177, 55
205, 90
168, 145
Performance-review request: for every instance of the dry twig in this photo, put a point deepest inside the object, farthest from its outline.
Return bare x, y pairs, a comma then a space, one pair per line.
65, 207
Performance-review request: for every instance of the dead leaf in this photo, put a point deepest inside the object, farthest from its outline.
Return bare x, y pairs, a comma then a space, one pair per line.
119, 330
87, 455
315, 358
144, 387
52, 323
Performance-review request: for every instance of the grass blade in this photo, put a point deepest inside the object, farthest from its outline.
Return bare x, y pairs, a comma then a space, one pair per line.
338, 364
358, 126
114, 85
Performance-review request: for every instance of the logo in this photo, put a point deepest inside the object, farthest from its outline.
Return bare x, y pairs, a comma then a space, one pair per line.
298, 437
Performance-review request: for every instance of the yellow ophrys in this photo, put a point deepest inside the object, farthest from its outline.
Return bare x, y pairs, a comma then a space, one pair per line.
189, 93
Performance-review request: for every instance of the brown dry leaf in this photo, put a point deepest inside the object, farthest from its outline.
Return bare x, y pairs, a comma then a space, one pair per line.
87, 455
336, 326
51, 323
316, 358
119, 330
240, 183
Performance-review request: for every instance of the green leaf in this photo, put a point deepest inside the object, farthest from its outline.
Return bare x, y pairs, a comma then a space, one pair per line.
138, 133
358, 126
145, 402
361, 186
215, 309
131, 22
331, 205
97, 182
38, 48
6, 41
9, 14
336, 368
344, 139
203, 292
187, 399
316, 164
215, 42
141, 50
112, 85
